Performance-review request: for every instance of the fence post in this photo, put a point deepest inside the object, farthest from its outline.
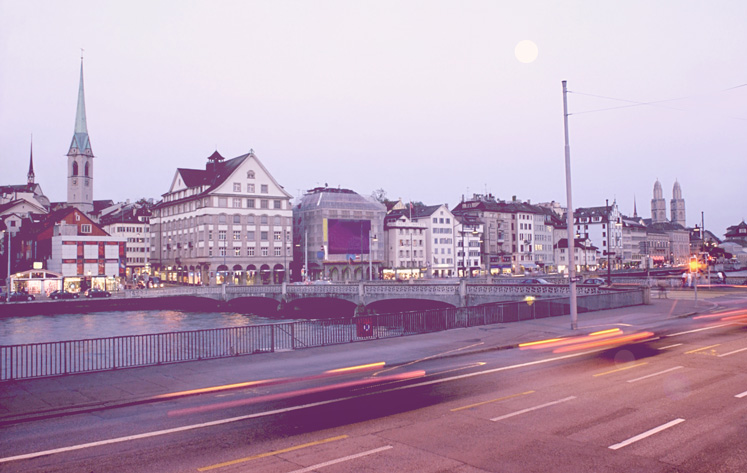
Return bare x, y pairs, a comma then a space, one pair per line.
272, 338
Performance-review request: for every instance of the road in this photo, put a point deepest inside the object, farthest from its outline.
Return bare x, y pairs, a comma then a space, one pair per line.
677, 402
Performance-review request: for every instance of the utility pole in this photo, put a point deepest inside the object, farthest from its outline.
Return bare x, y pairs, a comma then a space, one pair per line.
609, 253
571, 245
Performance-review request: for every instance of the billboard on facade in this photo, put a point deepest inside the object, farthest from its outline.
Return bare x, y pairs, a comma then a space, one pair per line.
348, 236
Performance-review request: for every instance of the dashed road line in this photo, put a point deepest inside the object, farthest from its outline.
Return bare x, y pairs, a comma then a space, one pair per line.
648, 433
731, 352
621, 369
654, 374
492, 400
343, 459
530, 409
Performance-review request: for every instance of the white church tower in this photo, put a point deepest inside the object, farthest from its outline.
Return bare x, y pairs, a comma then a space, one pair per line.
677, 205
80, 158
658, 205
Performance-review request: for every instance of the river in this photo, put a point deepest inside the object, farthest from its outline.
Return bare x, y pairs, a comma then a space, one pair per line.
54, 328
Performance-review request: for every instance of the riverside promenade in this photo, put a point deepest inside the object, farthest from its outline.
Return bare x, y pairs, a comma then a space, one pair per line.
26, 400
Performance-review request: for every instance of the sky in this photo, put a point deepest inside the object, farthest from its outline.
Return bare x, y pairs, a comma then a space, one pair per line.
427, 100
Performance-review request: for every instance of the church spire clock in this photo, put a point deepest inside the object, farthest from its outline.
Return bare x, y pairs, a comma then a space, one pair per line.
80, 158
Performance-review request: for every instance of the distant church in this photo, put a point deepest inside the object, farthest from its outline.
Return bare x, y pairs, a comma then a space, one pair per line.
80, 159
659, 206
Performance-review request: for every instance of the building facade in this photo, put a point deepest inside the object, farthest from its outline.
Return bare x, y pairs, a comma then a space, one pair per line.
230, 223
338, 236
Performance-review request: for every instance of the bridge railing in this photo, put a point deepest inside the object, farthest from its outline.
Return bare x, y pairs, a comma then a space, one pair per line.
81, 356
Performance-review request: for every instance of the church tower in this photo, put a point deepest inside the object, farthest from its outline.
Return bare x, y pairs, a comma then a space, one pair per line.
658, 205
80, 158
31, 176
677, 205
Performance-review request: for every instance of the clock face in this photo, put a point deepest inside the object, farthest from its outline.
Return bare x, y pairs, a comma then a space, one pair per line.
75, 181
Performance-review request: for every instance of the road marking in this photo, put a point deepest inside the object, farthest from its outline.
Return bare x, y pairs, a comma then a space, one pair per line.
701, 349
273, 453
621, 369
648, 433
343, 459
698, 330
428, 358
741, 395
530, 409
670, 346
732, 352
654, 374
492, 400
255, 415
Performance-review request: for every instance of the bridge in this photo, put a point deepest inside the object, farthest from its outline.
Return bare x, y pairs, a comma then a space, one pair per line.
362, 294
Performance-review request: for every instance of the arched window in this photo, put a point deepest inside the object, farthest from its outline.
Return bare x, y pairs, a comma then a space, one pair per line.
75, 168
86, 169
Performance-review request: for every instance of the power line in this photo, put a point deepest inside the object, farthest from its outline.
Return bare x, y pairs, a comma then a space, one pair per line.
656, 103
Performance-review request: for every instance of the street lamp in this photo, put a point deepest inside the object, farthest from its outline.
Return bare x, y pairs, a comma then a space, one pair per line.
571, 267
371, 239
7, 279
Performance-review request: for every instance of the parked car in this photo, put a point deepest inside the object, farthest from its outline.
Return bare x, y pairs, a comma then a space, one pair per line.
594, 281
533, 281
95, 292
19, 296
63, 295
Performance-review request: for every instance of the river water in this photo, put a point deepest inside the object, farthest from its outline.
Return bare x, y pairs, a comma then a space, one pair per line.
54, 328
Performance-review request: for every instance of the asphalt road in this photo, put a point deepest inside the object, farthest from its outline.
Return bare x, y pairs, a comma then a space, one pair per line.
675, 403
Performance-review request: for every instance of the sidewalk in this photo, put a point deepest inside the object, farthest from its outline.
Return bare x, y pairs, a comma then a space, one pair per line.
49, 397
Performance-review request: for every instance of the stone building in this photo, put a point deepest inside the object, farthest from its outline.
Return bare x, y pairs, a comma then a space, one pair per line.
338, 236
230, 223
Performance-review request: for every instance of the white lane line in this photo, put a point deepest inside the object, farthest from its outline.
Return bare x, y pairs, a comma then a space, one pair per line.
648, 433
741, 395
157, 433
699, 330
530, 409
654, 374
731, 352
670, 346
343, 459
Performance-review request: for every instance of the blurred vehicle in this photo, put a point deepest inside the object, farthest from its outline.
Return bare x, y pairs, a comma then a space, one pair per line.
95, 292
322, 281
63, 295
533, 281
594, 281
18, 297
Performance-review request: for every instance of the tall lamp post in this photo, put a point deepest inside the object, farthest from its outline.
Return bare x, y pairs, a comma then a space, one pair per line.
571, 251
7, 279
371, 239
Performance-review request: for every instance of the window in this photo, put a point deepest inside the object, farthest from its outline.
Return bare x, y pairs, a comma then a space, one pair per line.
75, 169
277, 251
250, 235
210, 234
237, 251
263, 219
250, 203
237, 202
222, 202
263, 236
237, 187
237, 219
250, 251
222, 218
265, 189
221, 235
222, 251
237, 235
250, 188
264, 204
278, 236
85, 228
265, 251
250, 174
277, 204
250, 219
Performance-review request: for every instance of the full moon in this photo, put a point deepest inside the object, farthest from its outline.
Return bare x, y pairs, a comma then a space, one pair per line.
526, 51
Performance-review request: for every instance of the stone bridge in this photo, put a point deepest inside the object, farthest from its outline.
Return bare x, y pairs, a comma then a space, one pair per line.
458, 294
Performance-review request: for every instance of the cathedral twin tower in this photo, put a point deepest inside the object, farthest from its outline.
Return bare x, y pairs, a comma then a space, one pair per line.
659, 205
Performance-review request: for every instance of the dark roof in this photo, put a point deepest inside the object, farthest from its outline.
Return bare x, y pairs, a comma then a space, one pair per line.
216, 172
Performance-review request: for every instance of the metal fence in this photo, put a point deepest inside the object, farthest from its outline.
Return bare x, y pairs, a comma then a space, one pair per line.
101, 354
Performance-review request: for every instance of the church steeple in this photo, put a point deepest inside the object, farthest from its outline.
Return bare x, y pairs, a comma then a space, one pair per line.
81, 143
31, 174
80, 158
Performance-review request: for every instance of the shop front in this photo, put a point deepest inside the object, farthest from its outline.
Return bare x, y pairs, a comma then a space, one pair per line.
36, 281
